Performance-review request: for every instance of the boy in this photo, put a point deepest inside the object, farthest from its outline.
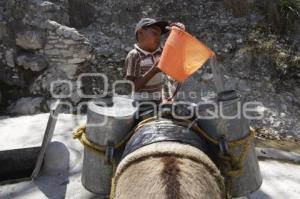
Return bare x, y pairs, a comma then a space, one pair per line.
141, 62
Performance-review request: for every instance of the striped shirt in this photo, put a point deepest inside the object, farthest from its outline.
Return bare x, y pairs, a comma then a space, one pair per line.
137, 63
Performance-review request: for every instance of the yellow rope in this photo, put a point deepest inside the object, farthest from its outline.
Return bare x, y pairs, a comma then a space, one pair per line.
235, 162
80, 134
112, 186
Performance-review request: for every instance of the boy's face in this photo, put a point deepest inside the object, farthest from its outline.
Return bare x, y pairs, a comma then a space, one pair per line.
149, 37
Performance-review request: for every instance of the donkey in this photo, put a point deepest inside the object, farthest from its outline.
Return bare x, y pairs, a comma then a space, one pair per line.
168, 170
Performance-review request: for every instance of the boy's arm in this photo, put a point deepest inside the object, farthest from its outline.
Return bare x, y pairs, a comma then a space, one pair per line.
132, 64
140, 82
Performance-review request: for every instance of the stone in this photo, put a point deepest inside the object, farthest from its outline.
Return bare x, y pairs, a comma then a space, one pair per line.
76, 61
9, 57
76, 36
26, 106
231, 84
229, 46
67, 32
37, 12
69, 69
83, 52
74, 50
75, 98
277, 124
239, 41
288, 97
52, 25
3, 30
296, 101
297, 92
43, 25
243, 86
282, 114
53, 38
57, 60
32, 62
59, 31
42, 83
207, 76
60, 46
52, 41
67, 41
47, 6
53, 33
52, 52
31, 39
284, 107
66, 53
48, 47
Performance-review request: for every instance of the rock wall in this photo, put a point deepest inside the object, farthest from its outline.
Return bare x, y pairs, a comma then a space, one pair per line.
65, 48
39, 48
47, 41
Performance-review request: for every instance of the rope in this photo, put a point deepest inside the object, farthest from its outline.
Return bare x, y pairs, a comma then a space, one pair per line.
112, 189
235, 162
80, 134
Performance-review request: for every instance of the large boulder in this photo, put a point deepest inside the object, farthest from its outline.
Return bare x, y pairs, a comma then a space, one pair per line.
9, 57
40, 11
3, 30
66, 48
32, 62
26, 106
10, 74
31, 39
54, 83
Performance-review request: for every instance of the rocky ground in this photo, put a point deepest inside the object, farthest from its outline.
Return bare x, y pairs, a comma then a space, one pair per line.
57, 40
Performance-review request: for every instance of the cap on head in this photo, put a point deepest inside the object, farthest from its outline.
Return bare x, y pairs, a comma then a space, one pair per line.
145, 22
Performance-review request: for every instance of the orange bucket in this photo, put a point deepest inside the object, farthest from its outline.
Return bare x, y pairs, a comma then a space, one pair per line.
183, 55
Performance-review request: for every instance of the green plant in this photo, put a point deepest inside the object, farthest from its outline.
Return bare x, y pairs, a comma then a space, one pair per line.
282, 14
280, 55
289, 7
289, 10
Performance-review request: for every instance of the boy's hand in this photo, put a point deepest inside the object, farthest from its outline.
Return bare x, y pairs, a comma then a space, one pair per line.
177, 24
156, 67
167, 101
